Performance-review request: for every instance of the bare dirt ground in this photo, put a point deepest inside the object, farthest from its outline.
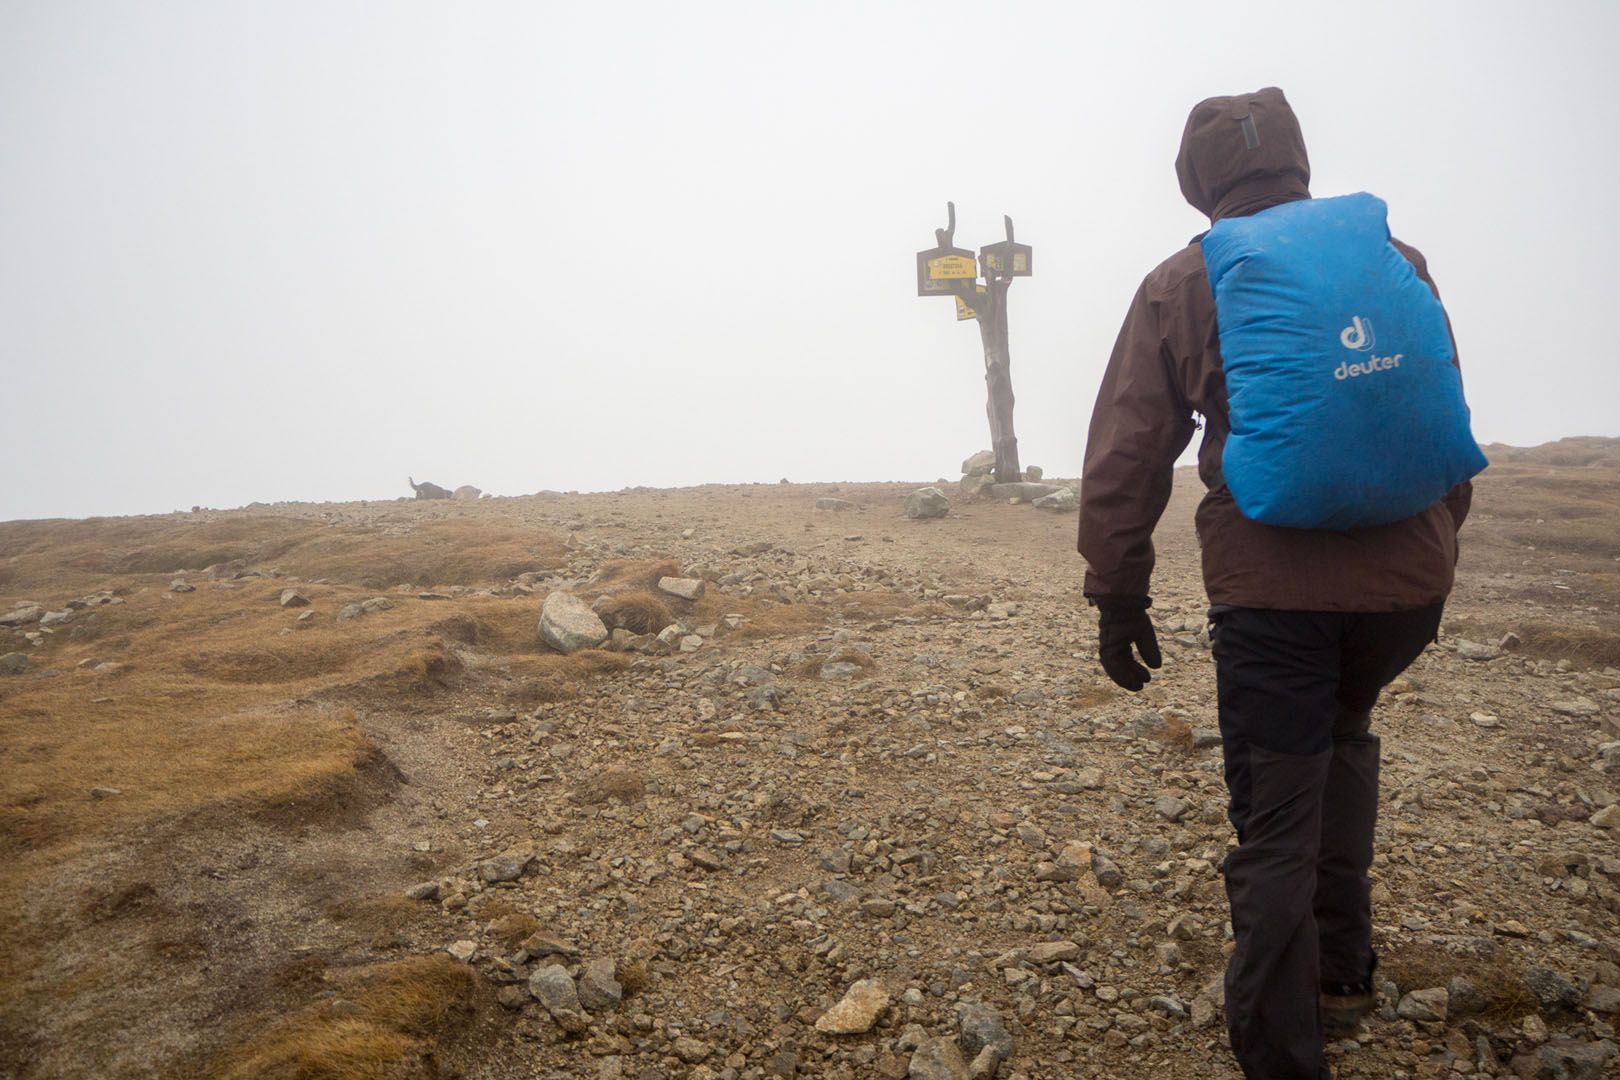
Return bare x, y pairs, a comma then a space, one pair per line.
243, 839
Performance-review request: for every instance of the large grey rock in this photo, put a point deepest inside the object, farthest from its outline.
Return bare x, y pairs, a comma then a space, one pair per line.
1564, 1059
972, 487
13, 663
503, 868
981, 464
1553, 990
685, 588
928, 502
1060, 501
466, 493
568, 624
1429, 1004
834, 504
1463, 997
1024, 490
22, 615
937, 1059
985, 1039
599, 990
552, 987
1473, 650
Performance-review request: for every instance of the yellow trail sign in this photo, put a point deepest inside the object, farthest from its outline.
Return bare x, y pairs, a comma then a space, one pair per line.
952, 266
963, 311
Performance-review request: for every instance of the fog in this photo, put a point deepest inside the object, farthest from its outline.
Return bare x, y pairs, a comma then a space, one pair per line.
301, 250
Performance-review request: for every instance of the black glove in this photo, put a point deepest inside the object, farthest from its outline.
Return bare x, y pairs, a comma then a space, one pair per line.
1122, 621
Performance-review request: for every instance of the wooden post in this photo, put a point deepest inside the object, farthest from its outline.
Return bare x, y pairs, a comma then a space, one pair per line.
1000, 263
992, 311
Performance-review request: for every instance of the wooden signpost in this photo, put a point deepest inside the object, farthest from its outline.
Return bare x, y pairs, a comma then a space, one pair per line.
945, 270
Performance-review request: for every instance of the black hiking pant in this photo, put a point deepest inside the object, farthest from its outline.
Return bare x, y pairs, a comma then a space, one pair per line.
1296, 691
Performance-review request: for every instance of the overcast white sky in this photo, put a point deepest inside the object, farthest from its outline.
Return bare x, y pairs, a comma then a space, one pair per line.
298, 250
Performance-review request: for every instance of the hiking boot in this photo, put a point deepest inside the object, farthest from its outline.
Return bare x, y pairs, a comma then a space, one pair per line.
1342, 1007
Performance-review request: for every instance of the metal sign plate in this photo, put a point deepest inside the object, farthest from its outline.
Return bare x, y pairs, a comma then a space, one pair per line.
933, 265
1007, 259
963, 311
953, 266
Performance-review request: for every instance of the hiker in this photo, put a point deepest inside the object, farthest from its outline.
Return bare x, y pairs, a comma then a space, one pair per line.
1308, 624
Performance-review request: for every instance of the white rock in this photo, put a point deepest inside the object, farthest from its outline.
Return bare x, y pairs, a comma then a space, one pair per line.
685, 588
858, 1011
568, 624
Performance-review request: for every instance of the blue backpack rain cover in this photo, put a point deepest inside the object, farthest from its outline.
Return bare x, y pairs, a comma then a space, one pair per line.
1346, 407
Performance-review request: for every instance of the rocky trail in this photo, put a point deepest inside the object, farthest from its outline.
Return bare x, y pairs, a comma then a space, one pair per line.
919, 834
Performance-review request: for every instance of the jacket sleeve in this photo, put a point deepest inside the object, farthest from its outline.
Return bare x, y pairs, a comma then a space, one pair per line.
1140, 425
1460, 498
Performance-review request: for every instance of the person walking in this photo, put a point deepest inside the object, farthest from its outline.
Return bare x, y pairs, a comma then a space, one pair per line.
1311, 618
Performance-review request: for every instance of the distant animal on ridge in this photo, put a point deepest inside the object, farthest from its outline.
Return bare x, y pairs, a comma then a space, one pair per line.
428, 490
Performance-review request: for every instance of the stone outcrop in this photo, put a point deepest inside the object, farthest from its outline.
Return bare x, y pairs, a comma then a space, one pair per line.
568, 624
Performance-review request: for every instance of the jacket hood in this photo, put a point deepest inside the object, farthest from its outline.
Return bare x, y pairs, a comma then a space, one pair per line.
1242, 154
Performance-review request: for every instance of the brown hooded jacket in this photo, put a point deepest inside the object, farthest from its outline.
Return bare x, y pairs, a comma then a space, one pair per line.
1239, 155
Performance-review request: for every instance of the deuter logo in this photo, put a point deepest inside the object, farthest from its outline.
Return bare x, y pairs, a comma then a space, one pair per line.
1358, 335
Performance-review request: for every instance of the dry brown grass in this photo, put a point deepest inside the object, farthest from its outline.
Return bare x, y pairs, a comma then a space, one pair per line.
764, 618
456, 550
633, 575
1421, 966
813, 666
387, 1021
1092, 695
553, 677
1568, 512
1592, 646
611, 785
223, 708
638, 612
1175, 734
632, 976
512, 927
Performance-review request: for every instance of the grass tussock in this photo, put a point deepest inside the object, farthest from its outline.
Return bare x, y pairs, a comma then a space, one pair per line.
432, 667
1090, 696
1175, 734
618, 785
1586, 647
382, 919
1421, 966
512, 927
815, 665
386, 1021
553, 677
633, 976
638, 612
764, 618
633, 575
